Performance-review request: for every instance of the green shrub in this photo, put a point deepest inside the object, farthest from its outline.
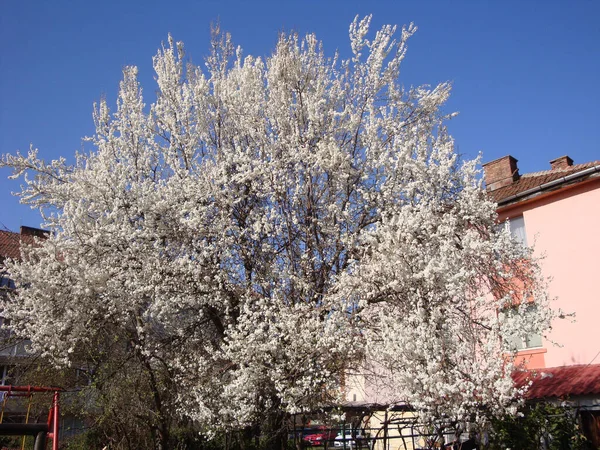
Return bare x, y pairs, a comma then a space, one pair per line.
539, 425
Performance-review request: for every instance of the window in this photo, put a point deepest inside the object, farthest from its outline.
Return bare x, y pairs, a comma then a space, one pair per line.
530, 340
6, 374
517, 229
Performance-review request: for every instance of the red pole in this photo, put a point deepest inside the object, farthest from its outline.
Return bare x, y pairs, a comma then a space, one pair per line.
29, 389
53, 414
56, 414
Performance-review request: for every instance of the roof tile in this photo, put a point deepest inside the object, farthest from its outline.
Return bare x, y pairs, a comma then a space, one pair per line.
565, 381
535, 179
10, 243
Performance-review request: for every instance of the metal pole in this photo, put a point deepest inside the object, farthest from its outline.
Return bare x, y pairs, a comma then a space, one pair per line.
55, 407
385, 431
29, 389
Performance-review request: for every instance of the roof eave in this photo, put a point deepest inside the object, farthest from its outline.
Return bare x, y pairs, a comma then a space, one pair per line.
548, 185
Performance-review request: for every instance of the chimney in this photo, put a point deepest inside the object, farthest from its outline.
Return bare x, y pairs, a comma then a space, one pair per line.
500, 173
30, 231
561, 163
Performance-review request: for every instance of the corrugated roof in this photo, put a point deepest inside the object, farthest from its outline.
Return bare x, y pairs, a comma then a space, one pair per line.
535, 179
565, 381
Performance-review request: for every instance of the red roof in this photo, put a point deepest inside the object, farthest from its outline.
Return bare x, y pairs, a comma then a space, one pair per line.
532, 180
10, 242
10, 245
565, 381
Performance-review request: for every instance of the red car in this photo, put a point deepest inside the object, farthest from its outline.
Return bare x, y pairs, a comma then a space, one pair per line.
318, 436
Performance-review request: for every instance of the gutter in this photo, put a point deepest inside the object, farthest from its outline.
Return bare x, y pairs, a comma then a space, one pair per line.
550, 184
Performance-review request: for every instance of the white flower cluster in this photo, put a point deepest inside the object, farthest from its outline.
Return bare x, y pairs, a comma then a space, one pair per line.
267, 223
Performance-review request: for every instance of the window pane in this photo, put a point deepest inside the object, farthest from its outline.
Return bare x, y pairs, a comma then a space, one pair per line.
531, 340
514, 343
517, 229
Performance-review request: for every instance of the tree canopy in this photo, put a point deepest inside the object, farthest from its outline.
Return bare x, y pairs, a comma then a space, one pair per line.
264, 225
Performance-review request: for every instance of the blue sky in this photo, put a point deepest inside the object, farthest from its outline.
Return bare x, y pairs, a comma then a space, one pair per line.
525, 73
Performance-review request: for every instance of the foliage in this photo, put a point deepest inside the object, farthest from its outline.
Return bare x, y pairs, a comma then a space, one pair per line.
539, 425
223, 255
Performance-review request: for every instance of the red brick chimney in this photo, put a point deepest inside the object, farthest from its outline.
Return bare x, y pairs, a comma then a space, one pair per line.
30, 231
500, 172
561, 162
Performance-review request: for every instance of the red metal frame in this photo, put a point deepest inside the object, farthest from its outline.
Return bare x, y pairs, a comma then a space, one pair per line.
53, 414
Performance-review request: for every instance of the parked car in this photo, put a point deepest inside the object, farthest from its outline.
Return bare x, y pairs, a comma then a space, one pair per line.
319, 436
347, 440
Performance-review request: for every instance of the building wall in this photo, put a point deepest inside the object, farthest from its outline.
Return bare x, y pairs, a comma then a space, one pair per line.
564, 227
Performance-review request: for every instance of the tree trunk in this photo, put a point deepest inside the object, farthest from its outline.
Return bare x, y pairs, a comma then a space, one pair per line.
274, 432
162, 436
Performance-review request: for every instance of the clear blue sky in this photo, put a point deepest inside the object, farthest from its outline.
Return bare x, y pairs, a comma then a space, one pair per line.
526, 74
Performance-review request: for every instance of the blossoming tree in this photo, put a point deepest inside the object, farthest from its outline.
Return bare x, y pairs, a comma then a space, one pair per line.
263, 223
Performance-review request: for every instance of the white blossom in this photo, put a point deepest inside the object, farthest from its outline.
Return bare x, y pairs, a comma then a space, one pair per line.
268, 221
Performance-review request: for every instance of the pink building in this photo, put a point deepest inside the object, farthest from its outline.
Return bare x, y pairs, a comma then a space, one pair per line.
557, 211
